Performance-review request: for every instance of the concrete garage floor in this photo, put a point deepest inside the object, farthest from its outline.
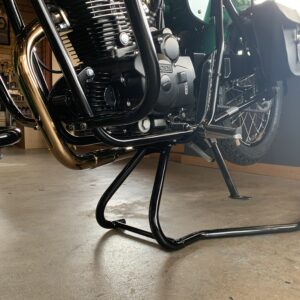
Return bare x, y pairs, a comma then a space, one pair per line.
52, 248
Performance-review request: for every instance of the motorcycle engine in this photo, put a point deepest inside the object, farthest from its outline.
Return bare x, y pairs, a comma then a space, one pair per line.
100, 37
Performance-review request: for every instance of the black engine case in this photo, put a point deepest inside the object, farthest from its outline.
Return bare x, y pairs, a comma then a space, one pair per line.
177, 84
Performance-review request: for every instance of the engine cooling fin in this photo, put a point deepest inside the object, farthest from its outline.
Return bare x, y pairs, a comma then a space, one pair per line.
99, 27
96, 91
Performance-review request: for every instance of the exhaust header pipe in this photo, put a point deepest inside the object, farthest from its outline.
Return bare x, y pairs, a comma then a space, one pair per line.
24, 69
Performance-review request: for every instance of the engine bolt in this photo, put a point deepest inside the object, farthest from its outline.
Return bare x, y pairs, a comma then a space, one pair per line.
144, 125
90, 73
124, 38
122, 79
83, 126
70, 127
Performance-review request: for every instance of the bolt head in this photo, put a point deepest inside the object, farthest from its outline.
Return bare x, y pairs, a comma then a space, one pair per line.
146, 123
90, 73
124, 38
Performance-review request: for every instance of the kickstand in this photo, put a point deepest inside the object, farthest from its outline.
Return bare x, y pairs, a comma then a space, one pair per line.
234, 194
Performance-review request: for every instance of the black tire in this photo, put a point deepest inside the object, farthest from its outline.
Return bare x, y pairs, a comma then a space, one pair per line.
245, 154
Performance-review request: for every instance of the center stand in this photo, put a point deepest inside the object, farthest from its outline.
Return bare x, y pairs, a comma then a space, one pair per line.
156, 230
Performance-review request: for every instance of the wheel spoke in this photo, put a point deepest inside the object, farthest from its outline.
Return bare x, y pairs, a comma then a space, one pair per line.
252, 125
253, 122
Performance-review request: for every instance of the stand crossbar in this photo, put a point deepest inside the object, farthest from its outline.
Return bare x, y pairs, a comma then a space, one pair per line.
156, 230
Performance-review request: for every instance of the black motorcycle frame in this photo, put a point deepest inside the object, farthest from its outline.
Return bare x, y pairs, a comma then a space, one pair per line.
160, 144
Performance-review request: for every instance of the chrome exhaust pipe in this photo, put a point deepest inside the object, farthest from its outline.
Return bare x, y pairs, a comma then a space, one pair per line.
24, 69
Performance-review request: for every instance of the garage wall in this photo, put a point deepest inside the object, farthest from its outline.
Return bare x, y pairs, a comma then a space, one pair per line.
30, 138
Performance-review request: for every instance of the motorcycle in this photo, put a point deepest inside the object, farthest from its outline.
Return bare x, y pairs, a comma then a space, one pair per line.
139, 77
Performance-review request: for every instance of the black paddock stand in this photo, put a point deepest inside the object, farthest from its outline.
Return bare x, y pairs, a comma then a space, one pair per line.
156, 230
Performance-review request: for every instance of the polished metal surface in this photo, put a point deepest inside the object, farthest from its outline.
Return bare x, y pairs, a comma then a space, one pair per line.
23, 63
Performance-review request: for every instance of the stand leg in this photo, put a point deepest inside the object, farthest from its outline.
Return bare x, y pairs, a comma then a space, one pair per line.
113, 189
234, 194
100, 210
156, 230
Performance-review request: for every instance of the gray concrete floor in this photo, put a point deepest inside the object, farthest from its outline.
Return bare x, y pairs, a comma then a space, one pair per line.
52, 248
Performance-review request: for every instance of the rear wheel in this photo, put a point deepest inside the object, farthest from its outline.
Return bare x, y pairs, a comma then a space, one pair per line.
259, 122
